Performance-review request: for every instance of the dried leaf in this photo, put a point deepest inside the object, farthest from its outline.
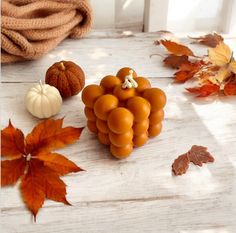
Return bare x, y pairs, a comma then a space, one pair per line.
49, 135
32, 191
174, 61
232, 66
12, 142
220, 55
39, 168
187, 71
205, 90
230, 87
176, 49
181, 164
211, 40
199, 155
58, 163
222, 74
12, 170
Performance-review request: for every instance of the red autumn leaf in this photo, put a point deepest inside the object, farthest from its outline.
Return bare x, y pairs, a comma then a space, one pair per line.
204, 90
174, 61
230, 88
210, 40
199, 155
39, 168
12, 170
12, 142
58, 163
187, 71
181, 164
176, 49
49, 135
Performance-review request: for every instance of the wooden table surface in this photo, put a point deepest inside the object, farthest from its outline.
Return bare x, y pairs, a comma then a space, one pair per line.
138, 194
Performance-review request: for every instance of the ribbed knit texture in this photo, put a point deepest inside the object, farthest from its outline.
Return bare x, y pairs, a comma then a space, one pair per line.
31, 28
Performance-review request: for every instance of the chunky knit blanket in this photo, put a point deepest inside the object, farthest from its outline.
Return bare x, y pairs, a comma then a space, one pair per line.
31, 28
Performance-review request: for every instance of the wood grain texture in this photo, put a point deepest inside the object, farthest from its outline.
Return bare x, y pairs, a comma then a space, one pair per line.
138, 194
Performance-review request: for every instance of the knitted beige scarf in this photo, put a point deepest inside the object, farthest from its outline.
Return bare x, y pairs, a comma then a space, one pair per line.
31, 28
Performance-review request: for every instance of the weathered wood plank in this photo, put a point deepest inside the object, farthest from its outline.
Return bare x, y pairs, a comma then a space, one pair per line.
138, 194
170, 215
147, 172
100, 55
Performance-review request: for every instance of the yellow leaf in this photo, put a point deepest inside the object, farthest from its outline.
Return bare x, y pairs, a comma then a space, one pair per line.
220, 76
220, 55
232, 66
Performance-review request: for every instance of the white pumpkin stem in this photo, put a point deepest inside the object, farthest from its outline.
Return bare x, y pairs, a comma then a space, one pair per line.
129, 81
41, 86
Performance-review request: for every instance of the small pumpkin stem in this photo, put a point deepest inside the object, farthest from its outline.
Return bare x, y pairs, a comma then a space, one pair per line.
41, 85
62, 66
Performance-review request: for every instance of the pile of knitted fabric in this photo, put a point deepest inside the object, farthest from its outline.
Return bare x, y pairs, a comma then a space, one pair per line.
31, 28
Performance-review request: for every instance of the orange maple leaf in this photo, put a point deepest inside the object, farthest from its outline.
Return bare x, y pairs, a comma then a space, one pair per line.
230, 87
177, 49
205, 90
31, 160
187, 71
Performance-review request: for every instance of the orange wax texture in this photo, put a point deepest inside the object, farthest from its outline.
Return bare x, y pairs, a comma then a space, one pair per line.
124, 117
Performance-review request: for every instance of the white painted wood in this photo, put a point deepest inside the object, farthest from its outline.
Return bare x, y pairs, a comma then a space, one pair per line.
124, 14
104, 13
155, 15
138, 194
100, 48
129, 14
228, 24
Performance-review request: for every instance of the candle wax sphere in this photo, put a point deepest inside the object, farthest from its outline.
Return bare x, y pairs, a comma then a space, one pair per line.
154, 130
102, 126
103, 138
143, 84
123, 72
90, 94
123, 93
140, 140
109, 83
141, 127
120, 120
104, 105
92, 126
156, 117
89, 113
140, 108
156, 97
121, 152
121, 140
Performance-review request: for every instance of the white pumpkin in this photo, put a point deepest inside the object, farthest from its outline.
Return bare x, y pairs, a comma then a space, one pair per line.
43, 101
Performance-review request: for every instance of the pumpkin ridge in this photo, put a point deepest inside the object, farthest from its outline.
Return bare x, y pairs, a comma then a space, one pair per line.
77, 73
68, 86
76, 78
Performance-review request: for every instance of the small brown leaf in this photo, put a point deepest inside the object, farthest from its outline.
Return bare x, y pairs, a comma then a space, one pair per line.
181, 164
176, 49
199, 155
210, 40
174, 61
